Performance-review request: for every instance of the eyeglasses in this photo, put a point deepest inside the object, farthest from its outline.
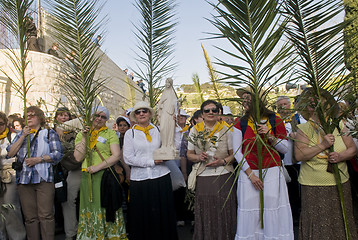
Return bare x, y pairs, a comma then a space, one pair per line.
31, 115
101, 116
143, 110
2, 124
213, 110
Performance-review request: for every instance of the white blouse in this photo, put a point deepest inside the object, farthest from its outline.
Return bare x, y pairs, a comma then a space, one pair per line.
138, 153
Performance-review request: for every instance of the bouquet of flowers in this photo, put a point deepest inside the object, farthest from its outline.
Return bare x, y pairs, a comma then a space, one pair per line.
206, 141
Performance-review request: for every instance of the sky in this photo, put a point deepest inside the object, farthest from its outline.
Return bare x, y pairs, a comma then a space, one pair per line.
120, 42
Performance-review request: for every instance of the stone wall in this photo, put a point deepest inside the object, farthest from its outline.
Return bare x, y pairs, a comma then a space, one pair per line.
118, 94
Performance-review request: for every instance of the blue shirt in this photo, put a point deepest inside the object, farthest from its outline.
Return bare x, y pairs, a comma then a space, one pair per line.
29, 175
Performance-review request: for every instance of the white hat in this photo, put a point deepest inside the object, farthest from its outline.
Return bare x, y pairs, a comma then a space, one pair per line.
100, 109
226, 110
128, 111
140, 105
183, 113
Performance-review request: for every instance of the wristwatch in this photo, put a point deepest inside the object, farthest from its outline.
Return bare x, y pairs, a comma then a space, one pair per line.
42, 159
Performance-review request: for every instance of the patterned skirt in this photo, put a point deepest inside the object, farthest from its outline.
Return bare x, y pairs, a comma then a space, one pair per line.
321, 214
215, 208
92, 223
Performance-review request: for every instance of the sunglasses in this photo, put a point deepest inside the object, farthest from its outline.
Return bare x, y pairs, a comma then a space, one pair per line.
101, 116
213, 110
143, 110
31, 115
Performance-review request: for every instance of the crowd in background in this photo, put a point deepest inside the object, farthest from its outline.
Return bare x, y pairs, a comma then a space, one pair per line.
62, 176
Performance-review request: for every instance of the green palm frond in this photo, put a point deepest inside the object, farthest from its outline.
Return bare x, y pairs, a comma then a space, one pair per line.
75, 23
197, 87
319, 45
155, 32
254, 28
14, 18
213, 75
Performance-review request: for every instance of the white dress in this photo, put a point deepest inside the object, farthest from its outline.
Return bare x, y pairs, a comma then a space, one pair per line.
277, 216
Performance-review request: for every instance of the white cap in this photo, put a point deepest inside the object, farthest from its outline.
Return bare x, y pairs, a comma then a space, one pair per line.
226, 110
183, 113
128, 111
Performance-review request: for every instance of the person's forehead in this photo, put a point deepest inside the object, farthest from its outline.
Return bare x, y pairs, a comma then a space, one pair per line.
283, 101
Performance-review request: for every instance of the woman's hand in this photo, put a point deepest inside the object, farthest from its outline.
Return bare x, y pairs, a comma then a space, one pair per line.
218, 162
258, 184
328, 141
26, 131
262, 129
202, 157
85, 130
92, 169
30, 162
334, 157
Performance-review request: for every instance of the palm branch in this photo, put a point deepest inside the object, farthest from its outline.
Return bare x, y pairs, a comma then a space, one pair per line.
254, 29
213, 75
14, 17
155, 43
75, 23
319, 45
197, 87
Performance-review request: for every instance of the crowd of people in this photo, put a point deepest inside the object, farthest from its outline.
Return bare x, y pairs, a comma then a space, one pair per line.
219, 155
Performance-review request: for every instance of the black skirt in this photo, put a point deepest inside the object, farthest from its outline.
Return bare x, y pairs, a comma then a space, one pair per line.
151, 210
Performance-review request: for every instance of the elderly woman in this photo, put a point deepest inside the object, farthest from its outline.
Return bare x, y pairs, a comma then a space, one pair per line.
277, 217
34, 173
321, 214
103, 143
215, 215
12, 226
151, 213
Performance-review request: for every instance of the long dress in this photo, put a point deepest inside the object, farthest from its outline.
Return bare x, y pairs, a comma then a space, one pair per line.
92, 217
277, 215
321, 214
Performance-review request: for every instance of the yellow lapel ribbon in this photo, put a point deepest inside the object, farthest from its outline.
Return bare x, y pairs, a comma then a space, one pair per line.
145, 130
94, 136
250, 123
218, 126
184, 128
321, 155
4, 133
228, 126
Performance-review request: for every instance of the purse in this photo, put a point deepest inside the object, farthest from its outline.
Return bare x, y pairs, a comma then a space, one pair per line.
60, 183
192, 176
111, 189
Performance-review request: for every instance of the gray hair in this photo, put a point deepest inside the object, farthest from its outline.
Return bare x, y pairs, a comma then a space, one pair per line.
279, 98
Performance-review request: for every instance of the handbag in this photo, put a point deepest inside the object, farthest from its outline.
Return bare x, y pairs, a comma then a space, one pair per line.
111, 189
192, 176
60, 184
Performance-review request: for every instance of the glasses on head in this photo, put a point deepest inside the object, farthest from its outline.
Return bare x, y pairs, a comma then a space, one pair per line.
2, 124
213, 110
143, 110
101, 116
31, 115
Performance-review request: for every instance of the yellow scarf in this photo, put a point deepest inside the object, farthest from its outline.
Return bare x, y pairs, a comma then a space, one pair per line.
94, 136
4, 133
201, 126
250, 123
145, 130
184, 128
228, 126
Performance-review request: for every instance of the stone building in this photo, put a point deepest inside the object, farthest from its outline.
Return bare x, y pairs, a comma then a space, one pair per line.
119, 92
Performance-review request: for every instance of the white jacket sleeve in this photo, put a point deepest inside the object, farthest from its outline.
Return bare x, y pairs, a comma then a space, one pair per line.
237, 147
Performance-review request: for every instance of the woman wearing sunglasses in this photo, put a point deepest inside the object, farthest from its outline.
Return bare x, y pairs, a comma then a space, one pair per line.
151, 210
215, 207
104, 147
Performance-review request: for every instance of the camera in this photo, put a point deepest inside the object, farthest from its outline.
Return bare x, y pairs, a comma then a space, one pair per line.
17, 166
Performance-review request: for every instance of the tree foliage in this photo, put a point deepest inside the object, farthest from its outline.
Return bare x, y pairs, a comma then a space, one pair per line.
154, 33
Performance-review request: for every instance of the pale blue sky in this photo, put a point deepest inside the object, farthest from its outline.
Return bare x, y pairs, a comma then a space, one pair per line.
120, 41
